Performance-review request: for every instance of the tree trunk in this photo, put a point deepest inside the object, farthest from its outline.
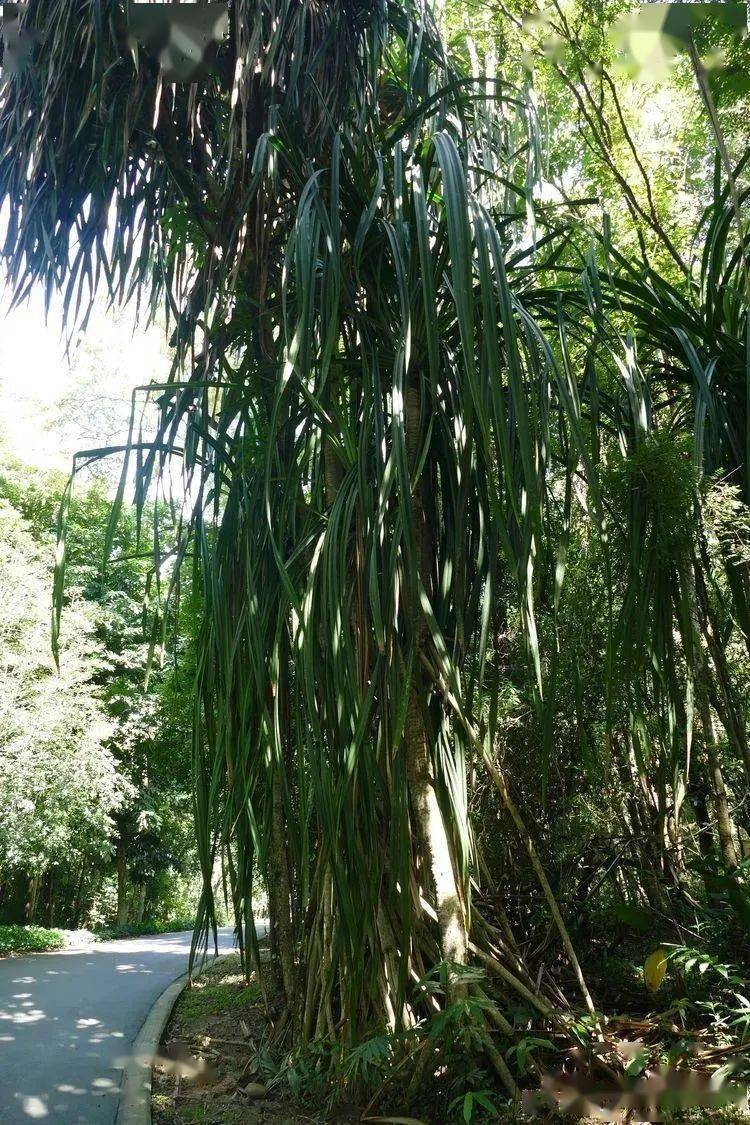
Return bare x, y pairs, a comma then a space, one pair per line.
78, 900
139, 906
704, 827
33, 898
122, 884
703, 821
428, 816
728, 705
51, 889
434, 838
724, 826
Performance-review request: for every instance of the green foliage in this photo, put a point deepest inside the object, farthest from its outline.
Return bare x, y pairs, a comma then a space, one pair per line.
522, 1052
659, 475
722, 1001
167, 925
453, 1079
59, 785
474, 1105
688, 959
366, 1064
29, 939
439, 463
86, 755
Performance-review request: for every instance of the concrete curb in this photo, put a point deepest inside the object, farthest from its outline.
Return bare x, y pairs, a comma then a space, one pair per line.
135, 1088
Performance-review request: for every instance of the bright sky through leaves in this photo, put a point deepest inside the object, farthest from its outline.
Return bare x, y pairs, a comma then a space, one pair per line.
52, 406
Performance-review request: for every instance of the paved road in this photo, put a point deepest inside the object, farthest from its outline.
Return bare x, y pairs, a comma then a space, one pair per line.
68, 1021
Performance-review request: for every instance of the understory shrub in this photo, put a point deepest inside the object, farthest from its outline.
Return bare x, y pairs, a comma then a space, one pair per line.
29, 939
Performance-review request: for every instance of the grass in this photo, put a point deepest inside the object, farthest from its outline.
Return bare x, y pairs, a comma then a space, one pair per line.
29, 939
222, 990
164, 1108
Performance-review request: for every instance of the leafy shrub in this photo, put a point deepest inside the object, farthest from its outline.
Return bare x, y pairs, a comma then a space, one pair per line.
142, 929
29, 939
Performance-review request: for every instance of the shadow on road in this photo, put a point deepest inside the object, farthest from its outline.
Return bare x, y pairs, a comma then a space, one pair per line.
68, 1020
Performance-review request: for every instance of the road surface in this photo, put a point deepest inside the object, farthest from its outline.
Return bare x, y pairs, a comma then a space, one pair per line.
68, 1021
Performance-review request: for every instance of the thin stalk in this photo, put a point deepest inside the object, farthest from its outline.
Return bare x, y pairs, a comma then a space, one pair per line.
500, 784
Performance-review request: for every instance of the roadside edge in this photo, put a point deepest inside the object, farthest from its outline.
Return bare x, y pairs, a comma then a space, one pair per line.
135, 1088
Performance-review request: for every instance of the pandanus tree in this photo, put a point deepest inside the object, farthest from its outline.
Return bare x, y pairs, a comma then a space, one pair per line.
694, 345
362, 406
375, 437
676, 399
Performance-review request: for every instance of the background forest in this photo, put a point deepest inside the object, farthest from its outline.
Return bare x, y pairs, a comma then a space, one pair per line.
96, 816
434, 539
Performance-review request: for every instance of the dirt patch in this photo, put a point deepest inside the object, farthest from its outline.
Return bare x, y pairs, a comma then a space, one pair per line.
213, 1065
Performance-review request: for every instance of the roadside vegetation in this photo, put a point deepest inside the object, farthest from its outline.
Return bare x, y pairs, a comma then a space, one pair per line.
217, 1063
29, 939
431, 545
40, 939
172, 925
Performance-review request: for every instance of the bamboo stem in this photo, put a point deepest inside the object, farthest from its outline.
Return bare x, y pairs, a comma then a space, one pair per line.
536, 863
500, 970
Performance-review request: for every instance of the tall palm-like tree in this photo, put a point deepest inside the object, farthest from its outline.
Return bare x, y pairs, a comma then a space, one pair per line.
362, 405
374, 434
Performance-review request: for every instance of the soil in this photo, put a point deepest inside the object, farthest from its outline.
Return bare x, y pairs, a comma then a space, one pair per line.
211, 1067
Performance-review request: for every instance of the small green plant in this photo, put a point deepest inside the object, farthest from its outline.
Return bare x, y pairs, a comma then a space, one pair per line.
730, 1010
522, 1053
474, 1105
309, 1070
689, 959
369, 1061
584, 1028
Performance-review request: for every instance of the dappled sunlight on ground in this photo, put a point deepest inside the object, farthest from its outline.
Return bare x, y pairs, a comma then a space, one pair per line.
78, 1040
68, 1020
